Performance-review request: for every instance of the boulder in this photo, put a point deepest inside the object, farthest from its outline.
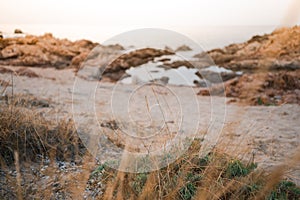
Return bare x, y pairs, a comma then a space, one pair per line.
18, 31
183, 48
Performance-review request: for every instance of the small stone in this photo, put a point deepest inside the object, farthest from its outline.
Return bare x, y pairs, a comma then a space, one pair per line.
18, 31
277, 97
204, 92
56, 184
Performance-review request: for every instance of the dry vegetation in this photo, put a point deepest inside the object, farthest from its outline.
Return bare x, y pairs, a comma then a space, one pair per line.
28, 143
215, 176
43, 159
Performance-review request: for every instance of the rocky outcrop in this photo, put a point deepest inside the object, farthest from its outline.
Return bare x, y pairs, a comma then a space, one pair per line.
260, 88
271, 66
117, 68
279, 50
183, 48
44, 51
266, 88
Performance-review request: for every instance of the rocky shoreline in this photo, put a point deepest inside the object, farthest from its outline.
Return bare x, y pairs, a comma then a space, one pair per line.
44, 51
279, 50
270, 66
261, 71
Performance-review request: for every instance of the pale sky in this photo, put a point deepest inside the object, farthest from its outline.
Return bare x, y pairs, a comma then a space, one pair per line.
100, 20
151, 13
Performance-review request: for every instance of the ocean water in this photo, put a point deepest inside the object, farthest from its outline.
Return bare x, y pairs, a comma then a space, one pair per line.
208, 37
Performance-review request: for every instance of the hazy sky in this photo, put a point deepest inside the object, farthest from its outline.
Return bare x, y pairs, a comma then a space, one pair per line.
151, 13
100, 20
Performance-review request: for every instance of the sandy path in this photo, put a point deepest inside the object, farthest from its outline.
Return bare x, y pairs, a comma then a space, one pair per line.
271, 134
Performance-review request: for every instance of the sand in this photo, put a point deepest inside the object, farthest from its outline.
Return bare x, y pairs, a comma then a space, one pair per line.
268, 134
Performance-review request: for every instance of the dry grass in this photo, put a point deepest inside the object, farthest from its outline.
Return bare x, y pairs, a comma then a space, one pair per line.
216, 176
31, 135
27, 139
31, 148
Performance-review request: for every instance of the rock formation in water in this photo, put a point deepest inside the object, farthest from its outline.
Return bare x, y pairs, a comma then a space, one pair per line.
117, 68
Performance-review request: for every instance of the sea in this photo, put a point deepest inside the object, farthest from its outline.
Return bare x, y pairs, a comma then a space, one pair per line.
208, 37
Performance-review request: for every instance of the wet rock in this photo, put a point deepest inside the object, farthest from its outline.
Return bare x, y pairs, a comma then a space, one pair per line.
162, 81
216, 77
116, 70
179, 63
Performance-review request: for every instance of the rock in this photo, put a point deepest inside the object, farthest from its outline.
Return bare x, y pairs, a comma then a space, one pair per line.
169, 49
116, 47
77, 60
18, 31
179, 63
271, 66
5, 70
162, 81
183, 48
10, 52
42, 103
204, 92
279, 50
26, 72
202, 83
272, 88
116, 70
46, 50
217, 77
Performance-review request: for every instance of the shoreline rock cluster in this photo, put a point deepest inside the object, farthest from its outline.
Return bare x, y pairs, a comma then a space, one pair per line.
272, 88
279, 50
270, 66
135, 58
44, 51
